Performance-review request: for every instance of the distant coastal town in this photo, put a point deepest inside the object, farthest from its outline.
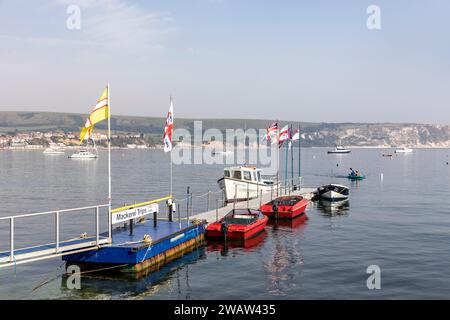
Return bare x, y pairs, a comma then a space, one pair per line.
42, 140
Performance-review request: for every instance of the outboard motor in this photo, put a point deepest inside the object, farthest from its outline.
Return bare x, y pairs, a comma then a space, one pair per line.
224, 229
275, 208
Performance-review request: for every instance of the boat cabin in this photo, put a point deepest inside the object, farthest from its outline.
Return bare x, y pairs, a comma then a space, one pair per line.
245, 173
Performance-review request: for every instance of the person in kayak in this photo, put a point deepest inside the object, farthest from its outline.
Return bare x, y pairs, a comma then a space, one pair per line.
352, 173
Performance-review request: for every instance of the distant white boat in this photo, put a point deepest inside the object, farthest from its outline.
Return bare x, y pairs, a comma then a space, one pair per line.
339, 149
83, 154
222, 153
55, 149
403, 150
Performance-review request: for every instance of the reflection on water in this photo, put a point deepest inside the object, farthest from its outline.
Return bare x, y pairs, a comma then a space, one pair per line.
333, 208
249, 244
286, 259
99, 285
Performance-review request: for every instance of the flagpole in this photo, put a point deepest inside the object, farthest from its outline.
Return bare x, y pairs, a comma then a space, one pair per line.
292, 159
171, 167
286, 164
278, 158
299, 151
109, 161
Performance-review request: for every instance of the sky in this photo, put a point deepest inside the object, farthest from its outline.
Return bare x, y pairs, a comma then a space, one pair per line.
293, 60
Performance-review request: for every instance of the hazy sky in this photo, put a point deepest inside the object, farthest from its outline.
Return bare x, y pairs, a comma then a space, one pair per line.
299, 60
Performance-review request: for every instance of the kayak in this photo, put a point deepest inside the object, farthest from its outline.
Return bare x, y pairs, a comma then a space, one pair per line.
353, 177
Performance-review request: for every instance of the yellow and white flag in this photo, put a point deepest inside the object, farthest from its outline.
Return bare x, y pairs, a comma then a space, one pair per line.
86, 131
98, 113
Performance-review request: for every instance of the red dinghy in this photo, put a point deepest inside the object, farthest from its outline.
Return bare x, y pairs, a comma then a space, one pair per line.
239, 224
286, 207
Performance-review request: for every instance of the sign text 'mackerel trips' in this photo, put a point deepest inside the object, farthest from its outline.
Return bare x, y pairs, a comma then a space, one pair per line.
138, 212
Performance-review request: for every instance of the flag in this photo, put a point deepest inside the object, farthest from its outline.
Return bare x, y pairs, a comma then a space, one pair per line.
168, 129
98, 113
86, 131
271, 132
296, 135
283, 136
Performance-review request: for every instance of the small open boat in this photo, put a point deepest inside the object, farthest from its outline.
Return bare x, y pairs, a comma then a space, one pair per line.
286, 207
240, 224
333, 192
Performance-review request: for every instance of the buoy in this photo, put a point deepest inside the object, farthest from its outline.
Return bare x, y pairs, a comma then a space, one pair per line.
381, 176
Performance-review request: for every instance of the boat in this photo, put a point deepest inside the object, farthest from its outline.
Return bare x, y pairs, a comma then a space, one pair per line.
55, 149
286, 207
339, 150
240, 183
356, 177
387, 155
83, 154
333, 192
403, 150
239, 224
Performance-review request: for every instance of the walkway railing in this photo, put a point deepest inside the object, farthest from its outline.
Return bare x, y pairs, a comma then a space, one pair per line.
58, 247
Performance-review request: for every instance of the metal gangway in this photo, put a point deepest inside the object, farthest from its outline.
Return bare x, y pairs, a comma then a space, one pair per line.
58, 247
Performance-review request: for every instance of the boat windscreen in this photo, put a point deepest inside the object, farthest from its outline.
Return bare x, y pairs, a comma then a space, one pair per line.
287, 202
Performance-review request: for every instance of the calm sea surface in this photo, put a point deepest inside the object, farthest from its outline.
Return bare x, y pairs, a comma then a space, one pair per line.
400, 223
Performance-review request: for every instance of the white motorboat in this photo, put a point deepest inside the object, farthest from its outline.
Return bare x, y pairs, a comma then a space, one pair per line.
333, 192
83, 154
339, 149
244, 182
403, 150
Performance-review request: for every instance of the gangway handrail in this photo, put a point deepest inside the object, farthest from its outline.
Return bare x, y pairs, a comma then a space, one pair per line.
53, 211
58, 249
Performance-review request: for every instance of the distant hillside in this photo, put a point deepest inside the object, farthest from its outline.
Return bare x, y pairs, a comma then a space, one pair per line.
315, 134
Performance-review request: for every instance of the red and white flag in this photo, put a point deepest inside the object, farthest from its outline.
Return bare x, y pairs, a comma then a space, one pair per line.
296, 135
168, 129
271, 132
284, 134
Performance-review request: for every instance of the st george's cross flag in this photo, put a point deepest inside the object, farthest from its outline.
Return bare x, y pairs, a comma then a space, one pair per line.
168, 129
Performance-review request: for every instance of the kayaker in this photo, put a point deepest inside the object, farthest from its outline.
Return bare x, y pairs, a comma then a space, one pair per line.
352, 173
